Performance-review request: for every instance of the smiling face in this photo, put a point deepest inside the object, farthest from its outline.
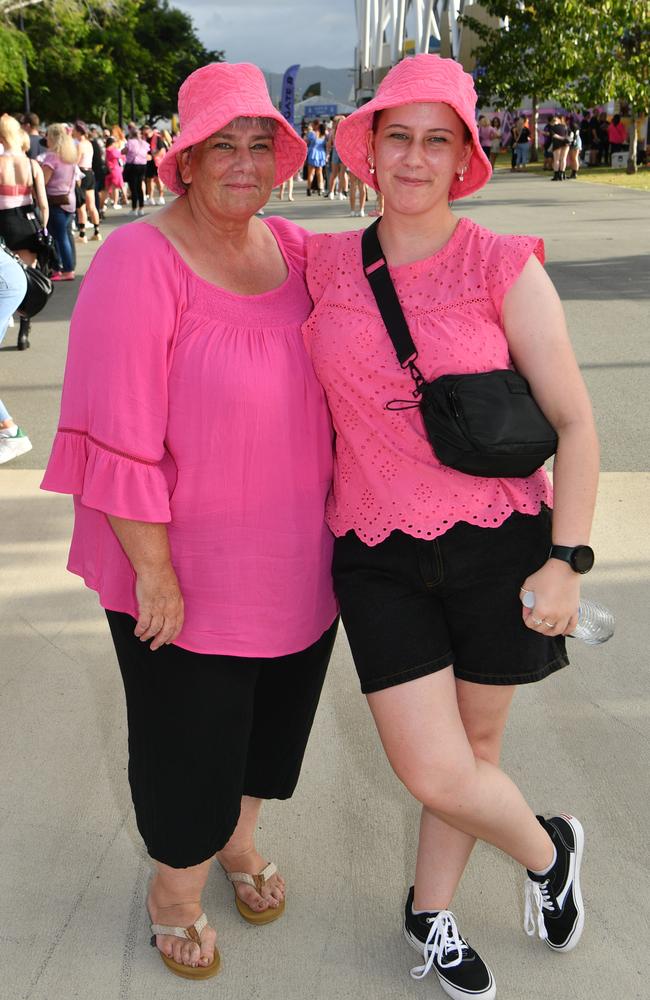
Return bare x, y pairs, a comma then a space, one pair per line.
231, 173
418, 150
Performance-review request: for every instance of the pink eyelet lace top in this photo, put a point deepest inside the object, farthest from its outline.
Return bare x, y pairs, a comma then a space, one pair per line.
386, 476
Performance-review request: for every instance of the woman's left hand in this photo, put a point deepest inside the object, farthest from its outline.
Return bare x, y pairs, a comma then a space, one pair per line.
557, 596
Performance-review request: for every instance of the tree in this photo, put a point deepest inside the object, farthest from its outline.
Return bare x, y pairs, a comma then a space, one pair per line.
81, 54
577, 52
616, 57
527, 56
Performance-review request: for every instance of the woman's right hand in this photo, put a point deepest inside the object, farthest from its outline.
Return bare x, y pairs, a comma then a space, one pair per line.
160, 605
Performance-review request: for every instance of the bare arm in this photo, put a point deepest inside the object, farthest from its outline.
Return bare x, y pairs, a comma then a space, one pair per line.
541, 350
39, 190
160, 602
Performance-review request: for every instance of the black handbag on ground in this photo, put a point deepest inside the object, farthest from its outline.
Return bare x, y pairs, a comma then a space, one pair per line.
486, 424
39, 287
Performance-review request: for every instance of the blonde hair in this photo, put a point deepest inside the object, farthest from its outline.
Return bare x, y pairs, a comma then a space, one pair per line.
61, 143
10, 131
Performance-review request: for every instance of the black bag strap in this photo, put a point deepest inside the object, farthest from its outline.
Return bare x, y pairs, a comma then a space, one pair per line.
379, 279
376, 271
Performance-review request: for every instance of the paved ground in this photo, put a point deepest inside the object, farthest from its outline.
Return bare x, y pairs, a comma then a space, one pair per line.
72, 883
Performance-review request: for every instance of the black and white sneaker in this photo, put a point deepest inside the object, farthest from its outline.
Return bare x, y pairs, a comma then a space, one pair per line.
461, 971
553, 904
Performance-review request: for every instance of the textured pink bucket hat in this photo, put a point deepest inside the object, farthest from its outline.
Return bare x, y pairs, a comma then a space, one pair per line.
213, 96
416, 80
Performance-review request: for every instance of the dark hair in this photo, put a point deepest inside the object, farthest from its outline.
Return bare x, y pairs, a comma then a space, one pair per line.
32, 120
80, 126
109, 141
495, 119
377, 115
322, 129
616, 120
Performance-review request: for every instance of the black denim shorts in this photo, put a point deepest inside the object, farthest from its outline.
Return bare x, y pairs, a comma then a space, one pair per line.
412, 606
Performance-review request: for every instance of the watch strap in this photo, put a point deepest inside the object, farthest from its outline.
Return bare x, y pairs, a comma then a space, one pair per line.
563, 552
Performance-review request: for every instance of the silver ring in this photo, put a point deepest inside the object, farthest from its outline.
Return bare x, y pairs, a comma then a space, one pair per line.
550, 624
537, 621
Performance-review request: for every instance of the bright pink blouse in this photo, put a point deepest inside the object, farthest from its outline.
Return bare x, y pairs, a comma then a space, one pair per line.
187, 404
386, 476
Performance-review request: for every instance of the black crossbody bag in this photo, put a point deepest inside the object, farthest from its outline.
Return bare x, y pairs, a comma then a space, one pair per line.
486, 424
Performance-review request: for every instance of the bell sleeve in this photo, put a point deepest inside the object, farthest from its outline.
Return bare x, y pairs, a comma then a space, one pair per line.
109, 448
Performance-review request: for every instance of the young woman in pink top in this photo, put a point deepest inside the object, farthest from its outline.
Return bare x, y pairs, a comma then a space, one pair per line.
199, 514
430, 563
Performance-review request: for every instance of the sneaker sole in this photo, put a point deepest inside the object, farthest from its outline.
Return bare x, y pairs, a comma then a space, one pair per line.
576, 933
451, 990
20, 446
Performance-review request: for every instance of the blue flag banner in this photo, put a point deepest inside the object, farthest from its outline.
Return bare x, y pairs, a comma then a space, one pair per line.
287, 100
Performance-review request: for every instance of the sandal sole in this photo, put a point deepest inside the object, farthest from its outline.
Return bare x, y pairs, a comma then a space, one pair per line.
187, 972
253, 917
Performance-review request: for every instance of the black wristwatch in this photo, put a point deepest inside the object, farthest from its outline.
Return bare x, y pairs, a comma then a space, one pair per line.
579, 557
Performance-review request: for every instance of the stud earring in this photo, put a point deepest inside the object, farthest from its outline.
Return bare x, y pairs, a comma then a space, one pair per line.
371, 164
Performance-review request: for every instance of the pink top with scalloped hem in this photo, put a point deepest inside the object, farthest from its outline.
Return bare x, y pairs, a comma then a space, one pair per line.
192, 406
386, 476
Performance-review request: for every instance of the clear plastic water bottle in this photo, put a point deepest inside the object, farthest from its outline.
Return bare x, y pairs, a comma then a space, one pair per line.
595, 622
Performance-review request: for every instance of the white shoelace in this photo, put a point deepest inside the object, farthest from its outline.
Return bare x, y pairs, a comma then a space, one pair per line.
443, 937
537, 899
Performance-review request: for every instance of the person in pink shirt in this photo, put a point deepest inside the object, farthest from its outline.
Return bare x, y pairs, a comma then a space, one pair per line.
431, 564
199, 515
137, 155
617, 135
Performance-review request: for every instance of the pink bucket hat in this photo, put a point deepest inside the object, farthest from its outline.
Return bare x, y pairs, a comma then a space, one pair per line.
417, 79
213, 96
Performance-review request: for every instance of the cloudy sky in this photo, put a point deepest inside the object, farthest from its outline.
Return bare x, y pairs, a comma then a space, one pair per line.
277, 33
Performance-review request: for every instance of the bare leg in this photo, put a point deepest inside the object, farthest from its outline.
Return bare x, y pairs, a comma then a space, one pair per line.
420, 726
175, 899
353, 194
91, 208
443, 852
240, 855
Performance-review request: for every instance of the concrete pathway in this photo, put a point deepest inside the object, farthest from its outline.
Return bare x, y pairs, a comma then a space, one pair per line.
73, 878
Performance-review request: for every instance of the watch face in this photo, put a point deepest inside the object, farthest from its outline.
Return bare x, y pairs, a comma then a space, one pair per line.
582, 558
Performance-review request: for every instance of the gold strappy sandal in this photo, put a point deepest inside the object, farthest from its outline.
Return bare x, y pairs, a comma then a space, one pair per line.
257, 881
191, 933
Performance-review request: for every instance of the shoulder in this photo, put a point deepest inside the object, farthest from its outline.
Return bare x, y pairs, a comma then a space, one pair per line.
321, 245
140, 255
498, 249
327, 253
292, 239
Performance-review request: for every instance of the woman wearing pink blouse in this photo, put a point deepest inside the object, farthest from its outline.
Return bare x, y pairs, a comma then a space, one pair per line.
430, 563
196, 441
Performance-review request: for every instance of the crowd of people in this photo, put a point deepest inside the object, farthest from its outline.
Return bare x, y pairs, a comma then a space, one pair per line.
56, 185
